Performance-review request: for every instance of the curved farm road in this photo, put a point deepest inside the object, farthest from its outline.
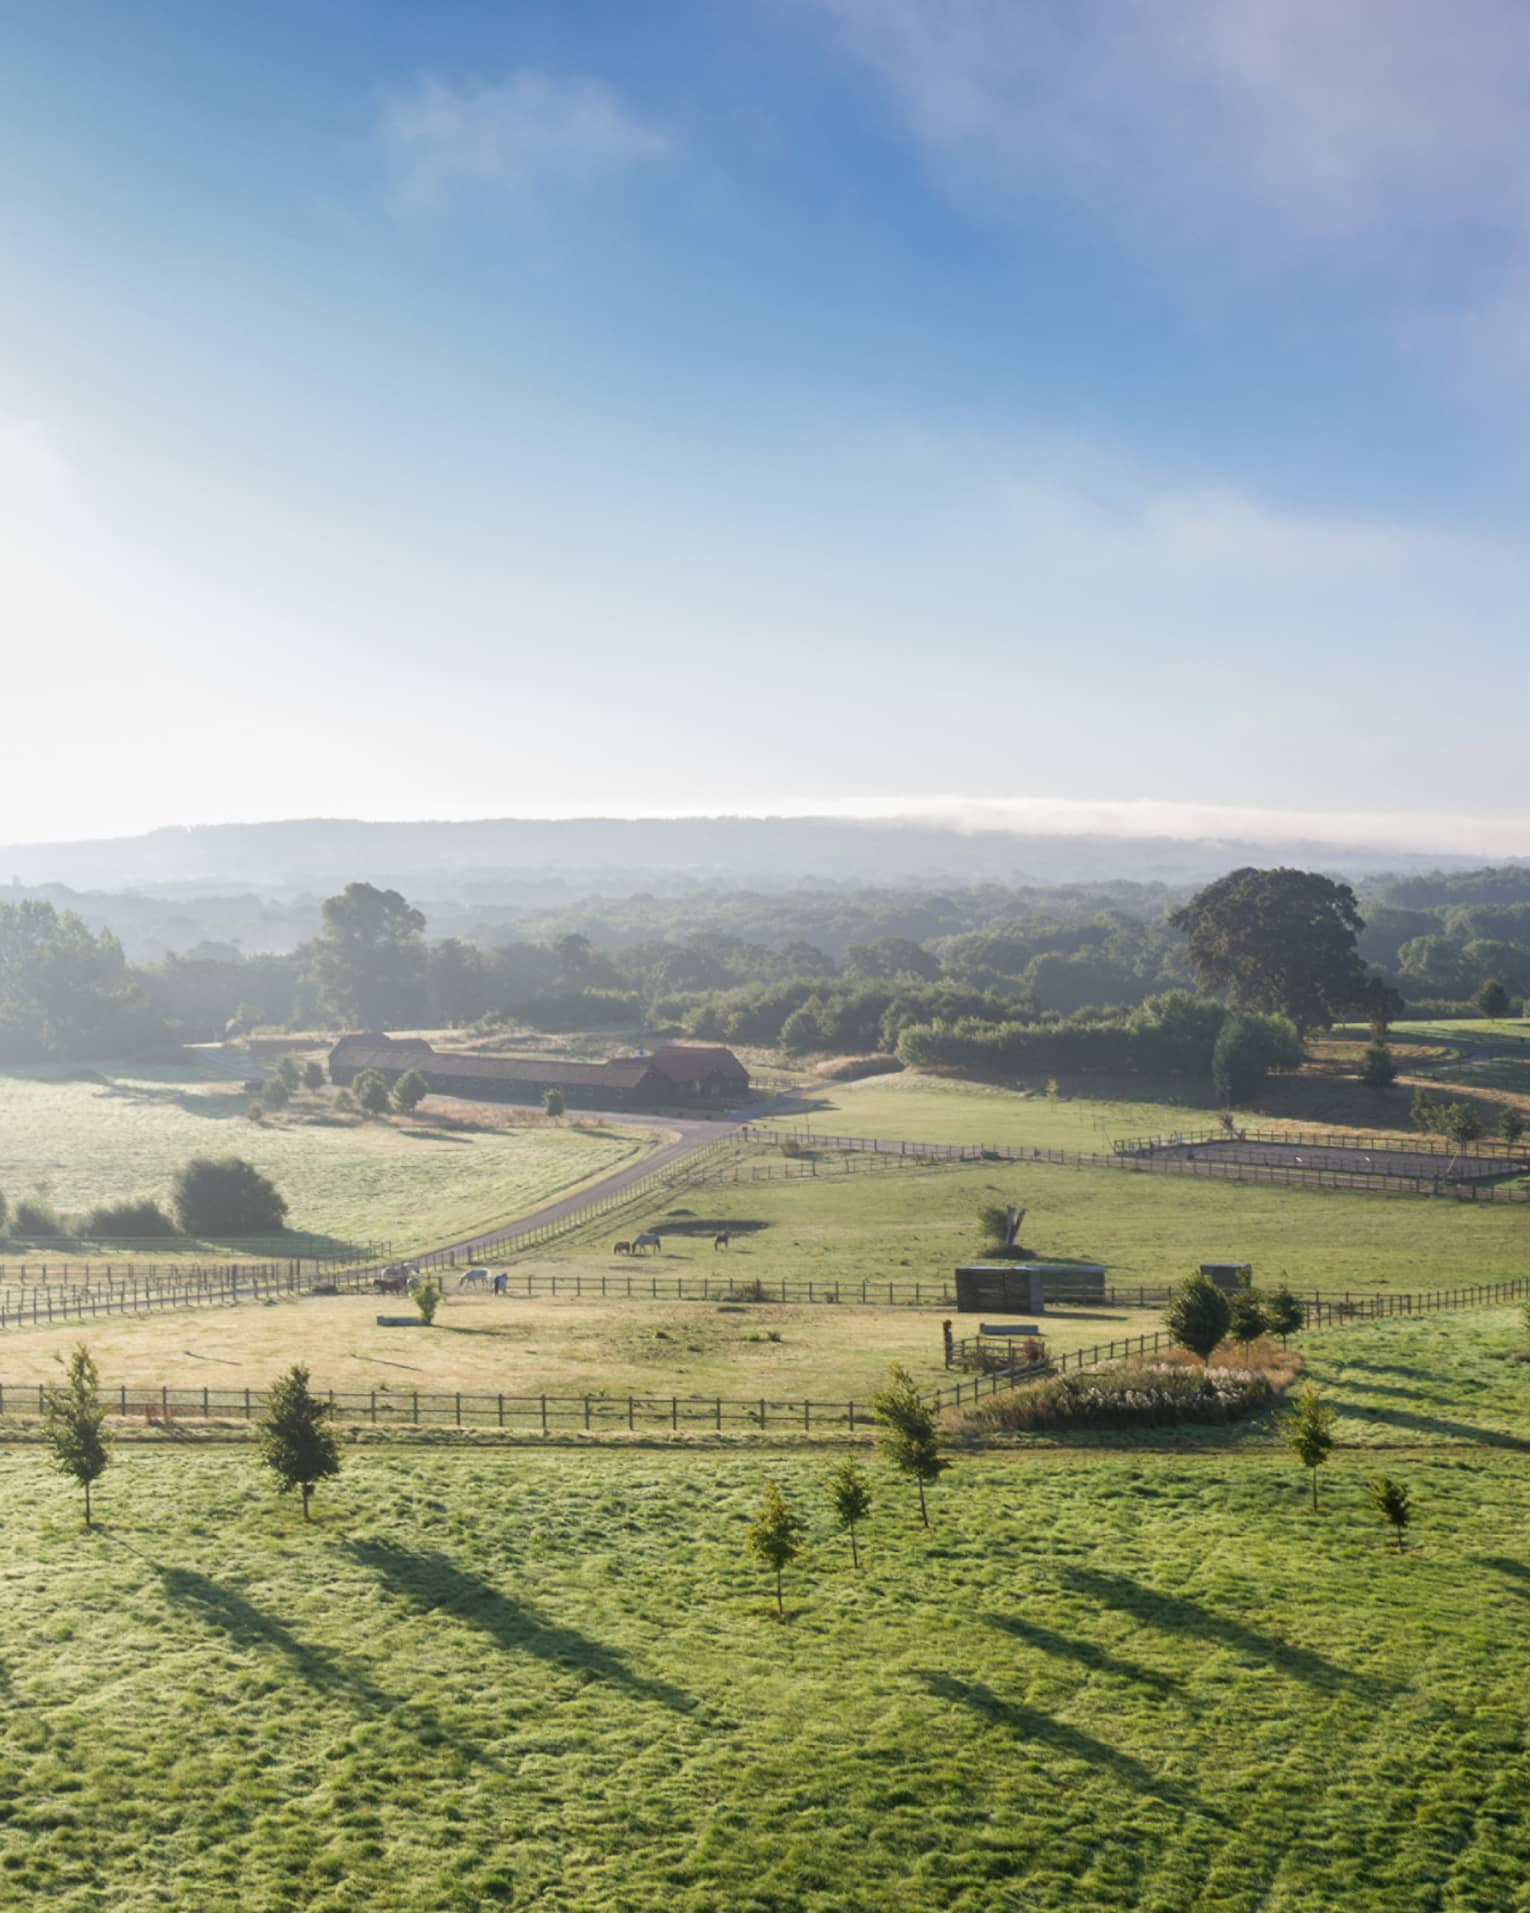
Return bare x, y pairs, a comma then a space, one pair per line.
685, 1135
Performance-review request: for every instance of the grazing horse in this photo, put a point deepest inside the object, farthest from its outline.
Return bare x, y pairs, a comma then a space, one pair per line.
473, 1278
647, 1240
720, 1240
621, 1248
391, 1284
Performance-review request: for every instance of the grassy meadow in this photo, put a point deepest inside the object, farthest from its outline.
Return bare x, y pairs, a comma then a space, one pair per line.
1087, 1116
110, 1137
555, 1347
919, 1222
1138, 1678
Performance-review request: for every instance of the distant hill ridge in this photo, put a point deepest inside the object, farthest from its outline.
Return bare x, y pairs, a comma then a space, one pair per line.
609, 856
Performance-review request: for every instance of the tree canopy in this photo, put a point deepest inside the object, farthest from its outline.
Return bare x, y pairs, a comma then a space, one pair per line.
1282, 941
371, 957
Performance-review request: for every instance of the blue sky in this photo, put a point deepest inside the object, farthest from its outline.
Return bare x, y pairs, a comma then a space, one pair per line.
1091, 413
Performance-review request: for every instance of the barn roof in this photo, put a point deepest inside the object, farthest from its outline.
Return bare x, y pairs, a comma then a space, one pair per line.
548, 1072
684, 1062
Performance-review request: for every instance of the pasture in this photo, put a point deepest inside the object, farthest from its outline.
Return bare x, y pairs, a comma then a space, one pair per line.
919, 1222
1105, 1677
107, 1137
548, 1346
1089, 1116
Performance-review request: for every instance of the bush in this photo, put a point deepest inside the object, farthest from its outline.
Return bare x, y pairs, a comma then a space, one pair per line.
552, 1102
1147, 1393
1492, 999
850, 1069
370, 1090
1377, 1069
313, 1076
410, 1091
143, 1220
226, 1196
277, 1093
35, 1216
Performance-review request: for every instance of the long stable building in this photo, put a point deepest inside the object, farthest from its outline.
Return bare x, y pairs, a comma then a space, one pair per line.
680, 1074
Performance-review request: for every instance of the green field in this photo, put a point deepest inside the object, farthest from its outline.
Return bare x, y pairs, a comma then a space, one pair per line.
919, 1108
918, 1223
1104, 1679
514, 1347
1510, 1031
112, 1137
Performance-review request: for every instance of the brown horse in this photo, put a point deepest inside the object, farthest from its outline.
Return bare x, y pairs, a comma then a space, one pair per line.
621, 1248
720, 1240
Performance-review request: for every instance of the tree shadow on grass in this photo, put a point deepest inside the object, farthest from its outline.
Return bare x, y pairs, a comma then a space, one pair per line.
1438, 1425
1098, 1660
1516, 1570
433, 1582
1028, 1724
218, 1105
247, 1626
1182, 1616
1395, 1368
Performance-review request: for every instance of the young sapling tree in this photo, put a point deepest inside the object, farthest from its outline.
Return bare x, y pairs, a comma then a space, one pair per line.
297, 1442
907, 1435
1392, 1502
1308, 1432
850, 1492
1197, 1316
74, 1423
775, 1536
1283, 1314
1246, 1318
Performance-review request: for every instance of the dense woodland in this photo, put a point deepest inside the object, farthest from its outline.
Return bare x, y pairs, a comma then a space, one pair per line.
1065, 978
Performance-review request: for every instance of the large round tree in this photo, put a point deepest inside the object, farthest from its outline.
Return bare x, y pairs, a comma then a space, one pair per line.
1278, 940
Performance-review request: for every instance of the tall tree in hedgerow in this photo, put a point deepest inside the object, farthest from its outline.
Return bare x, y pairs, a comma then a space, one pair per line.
1308, 1432
1491, 998
1278, 940
850, 1493
74, 1423
1511, 1126
907, 1434
1392, 1502
1198, 1315
775, 1536
297, 1442
1283, 1314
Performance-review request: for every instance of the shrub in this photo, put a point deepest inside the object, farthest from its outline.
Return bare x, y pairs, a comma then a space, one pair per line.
1377, 1069
427, 1299
410, 1091
313, 1076
1148, 1392
226, 1196
993, 1222
850, 1069
552, 1102
35, 1216
143, 1219
370, 1090
343, 1101
277, 1093
1511, 1126
287, 1073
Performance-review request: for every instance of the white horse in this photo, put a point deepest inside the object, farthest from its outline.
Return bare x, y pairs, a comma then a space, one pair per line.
647, 1240
473, 1279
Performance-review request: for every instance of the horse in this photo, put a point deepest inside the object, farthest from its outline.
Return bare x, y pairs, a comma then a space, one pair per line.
621, 1248
472, 1278
720, 1240
647, 1240
391, 1284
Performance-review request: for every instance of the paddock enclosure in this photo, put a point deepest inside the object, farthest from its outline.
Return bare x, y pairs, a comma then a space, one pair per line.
1385, 1156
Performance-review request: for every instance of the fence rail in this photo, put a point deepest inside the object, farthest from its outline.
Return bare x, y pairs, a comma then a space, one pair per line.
1290, 1175
605, 1413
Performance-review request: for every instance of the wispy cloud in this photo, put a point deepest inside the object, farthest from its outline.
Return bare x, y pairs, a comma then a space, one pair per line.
1336, 120
531, 133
